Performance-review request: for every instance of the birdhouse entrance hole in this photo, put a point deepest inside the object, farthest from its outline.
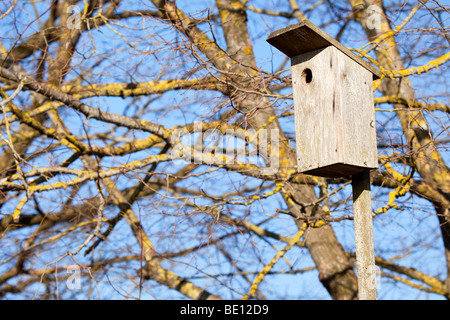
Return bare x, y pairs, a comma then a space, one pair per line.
307, 75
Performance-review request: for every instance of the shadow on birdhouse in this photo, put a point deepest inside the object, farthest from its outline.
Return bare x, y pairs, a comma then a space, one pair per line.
333, 102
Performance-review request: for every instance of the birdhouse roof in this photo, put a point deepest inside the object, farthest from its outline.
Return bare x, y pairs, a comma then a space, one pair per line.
304, 37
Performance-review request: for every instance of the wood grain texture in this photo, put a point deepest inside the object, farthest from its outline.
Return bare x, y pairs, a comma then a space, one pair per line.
364, 244
304, 37
334, 114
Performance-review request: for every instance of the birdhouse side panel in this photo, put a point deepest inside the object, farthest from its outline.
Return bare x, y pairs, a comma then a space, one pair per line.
359, 132
318, 112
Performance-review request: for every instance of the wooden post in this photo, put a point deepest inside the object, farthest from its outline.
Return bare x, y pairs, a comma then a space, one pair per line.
365, 255
335, 125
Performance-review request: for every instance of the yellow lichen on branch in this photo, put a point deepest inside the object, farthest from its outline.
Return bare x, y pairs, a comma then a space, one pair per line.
269, 266
411, 104
69, 230
85, 175
141, 88
9, 10
435, 285
417, 70
401, 190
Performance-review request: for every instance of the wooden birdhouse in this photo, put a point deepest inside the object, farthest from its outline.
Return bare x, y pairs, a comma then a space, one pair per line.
333, 102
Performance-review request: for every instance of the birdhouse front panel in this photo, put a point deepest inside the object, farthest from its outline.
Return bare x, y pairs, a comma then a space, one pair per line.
334, 114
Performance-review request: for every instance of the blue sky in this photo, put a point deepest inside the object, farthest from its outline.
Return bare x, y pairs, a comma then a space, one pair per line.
394, 232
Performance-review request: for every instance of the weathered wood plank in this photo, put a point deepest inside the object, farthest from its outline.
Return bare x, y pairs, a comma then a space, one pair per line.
318, 115
334, 115
304, 37
359, 132
364, 244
